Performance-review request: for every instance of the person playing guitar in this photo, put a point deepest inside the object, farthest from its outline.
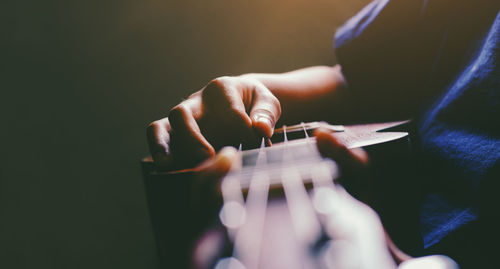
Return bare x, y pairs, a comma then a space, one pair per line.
397, 60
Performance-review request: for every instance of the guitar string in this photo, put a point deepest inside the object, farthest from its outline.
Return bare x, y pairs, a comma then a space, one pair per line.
329, 203
249, 237
304, 221
299, 201
300, 206
303, 125
323, 199
322, 175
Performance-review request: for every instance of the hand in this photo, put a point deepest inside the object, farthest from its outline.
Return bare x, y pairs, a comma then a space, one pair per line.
205, 188
330, 147
354, 165
227, 111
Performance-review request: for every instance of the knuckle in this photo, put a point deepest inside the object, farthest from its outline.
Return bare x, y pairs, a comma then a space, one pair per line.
219, 93
153, 126
178, 112
220, 81
217, 86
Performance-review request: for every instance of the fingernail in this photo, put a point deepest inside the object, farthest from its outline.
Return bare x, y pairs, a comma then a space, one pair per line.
264, 119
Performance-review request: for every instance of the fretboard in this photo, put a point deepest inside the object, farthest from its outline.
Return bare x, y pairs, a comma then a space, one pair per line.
291, 163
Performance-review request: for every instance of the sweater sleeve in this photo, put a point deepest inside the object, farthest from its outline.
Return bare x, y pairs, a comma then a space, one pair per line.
388, 49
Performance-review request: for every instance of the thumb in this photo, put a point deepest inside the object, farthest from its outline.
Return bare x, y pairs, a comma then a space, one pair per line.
208, 177
265, 111
217, 166
205, 198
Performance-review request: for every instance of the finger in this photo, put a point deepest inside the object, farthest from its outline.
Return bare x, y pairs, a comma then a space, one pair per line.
432, 261
206, 198
225, 120
217, 166
188, 145
158, 142
350, 220
332, 148
265, 112
209, 173
223, 95
398, 255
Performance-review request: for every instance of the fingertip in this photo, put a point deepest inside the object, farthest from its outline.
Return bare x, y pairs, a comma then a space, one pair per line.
189, 157
219, 165
263, 125
195, 156
326, 142
227, 155
197, 147
321, 134
228, 150
361, 156
329, 146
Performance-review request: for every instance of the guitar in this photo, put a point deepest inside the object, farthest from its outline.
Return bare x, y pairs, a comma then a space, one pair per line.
280, 205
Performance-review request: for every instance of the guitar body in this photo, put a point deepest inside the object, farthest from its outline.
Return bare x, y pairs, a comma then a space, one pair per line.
188, 235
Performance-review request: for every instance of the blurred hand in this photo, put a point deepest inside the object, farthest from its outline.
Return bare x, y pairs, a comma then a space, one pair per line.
227, 111
205, 188
331, 147
211, 171
350, 219
354, 164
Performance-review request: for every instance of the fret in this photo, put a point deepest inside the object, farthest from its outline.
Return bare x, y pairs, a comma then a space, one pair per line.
285, 135
304, 129
312, 126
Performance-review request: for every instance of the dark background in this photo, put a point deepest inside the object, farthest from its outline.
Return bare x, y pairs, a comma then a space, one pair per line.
80, 80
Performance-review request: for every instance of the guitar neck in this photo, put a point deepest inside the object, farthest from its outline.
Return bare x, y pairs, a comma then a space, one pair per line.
300, 154
291, 163
294, 146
